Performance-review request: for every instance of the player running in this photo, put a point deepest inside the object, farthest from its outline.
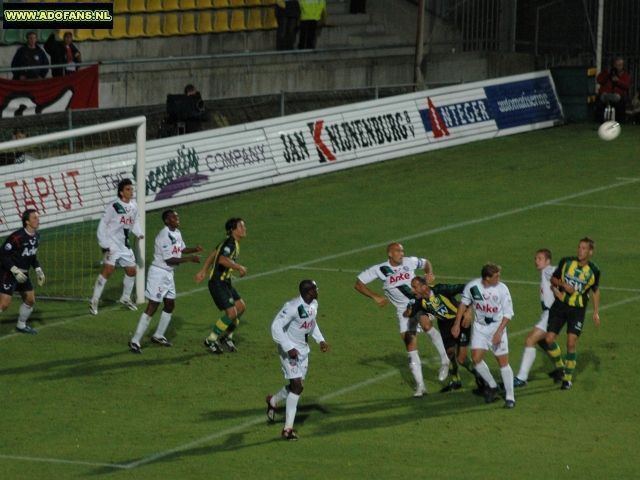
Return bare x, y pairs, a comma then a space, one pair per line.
18, 254
396, 275
290, 330
120, 217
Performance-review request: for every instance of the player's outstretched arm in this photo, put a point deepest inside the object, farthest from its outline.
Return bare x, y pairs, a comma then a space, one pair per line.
195, 249
207, 264
362, 288
455, 330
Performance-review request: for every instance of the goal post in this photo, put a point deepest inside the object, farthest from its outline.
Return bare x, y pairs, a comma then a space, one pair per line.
69, 177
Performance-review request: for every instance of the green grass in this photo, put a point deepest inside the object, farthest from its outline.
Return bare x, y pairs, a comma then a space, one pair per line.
75, 394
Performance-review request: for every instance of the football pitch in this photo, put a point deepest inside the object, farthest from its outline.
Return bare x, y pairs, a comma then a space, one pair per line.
75, 403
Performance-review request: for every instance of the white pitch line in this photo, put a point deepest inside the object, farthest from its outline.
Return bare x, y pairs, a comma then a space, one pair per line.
597, 206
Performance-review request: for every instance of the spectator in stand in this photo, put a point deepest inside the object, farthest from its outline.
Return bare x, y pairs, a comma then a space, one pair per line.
62, 53
614, 83
288, 16
357, 6
311, 12
30, 55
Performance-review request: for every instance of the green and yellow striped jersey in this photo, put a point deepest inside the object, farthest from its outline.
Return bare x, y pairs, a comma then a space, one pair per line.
442, 303
228, 248
583, 279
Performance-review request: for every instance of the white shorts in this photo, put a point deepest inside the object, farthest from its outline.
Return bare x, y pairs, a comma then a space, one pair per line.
294, 367
544, 321
160, 284
410, 324
121, 256
482, 339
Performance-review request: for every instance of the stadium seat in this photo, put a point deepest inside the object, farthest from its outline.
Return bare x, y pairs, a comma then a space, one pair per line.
254, 19
170, 25
204, 4
137, 6
268, 2
221, 22
153, 27
44, 34
136, 26
220, 3
33, 1
270, 20
204, 23
253, 3
187, 24
119, 29
82, 34
154, 5
120, 6
187, 4
238, 23
171, 5
101, 34
236, 3
13, 36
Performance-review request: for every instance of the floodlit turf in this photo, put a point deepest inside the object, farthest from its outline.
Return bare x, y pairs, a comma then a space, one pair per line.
77, 404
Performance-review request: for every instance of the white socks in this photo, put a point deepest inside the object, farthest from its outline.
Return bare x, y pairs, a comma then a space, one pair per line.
436, 338
99, 286
292, 406
25, 311
507, 378
528, 358
165, 318
483, 369
143, 324
416, 366
127, 288
280, 396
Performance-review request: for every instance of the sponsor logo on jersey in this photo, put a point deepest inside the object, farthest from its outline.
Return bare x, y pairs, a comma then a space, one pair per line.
486, 308
126, 221
7, 246
399, 277
307, 325
30, 251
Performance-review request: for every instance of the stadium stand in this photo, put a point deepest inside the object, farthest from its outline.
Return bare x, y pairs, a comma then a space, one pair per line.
220, 3
254, 19
170, 26
204, 23
221, 22
187, 4
171, 5
137, 6
120, 6
154, 6
187, 24
136, 26
236, 3
238, 23
153, 27
82, 34
204, 4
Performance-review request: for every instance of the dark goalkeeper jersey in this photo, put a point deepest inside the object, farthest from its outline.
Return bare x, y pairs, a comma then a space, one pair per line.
20, 249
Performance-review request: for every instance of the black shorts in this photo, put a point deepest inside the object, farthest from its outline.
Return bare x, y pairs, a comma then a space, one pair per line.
448, 339
223, 294
560, 314
9, 284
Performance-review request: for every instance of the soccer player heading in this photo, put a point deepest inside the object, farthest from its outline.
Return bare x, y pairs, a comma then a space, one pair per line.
120, 217
18, 254
291, 328
493, 309
168, 251
224, 259
575, 277
396, 274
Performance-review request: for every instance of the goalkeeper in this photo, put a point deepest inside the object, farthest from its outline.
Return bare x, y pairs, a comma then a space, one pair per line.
17, 254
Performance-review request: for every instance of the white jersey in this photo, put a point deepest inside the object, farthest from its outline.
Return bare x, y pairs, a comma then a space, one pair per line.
490, 303
119, 218
547, 296
396, 280
168, 245
293, 324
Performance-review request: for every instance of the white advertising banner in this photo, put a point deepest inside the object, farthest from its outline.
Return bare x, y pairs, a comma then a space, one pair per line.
218, 162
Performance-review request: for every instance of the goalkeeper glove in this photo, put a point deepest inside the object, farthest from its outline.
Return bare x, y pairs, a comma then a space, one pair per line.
40, 274
19, 274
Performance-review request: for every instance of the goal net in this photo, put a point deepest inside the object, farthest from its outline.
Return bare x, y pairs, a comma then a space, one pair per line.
69, 177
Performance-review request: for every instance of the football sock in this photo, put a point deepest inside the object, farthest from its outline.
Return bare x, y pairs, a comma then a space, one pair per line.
468, 364
221, 325
143, 324
507, 378
25, 311
571, 365
127, 287
483, 369
416, 367
165, 318
233, 326
280, 396
543, 345
99, 286
453, 371
292, 406
528, 357
556, 355
436, 338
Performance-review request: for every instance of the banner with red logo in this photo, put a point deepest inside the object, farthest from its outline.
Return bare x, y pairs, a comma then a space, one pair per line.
75, 91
